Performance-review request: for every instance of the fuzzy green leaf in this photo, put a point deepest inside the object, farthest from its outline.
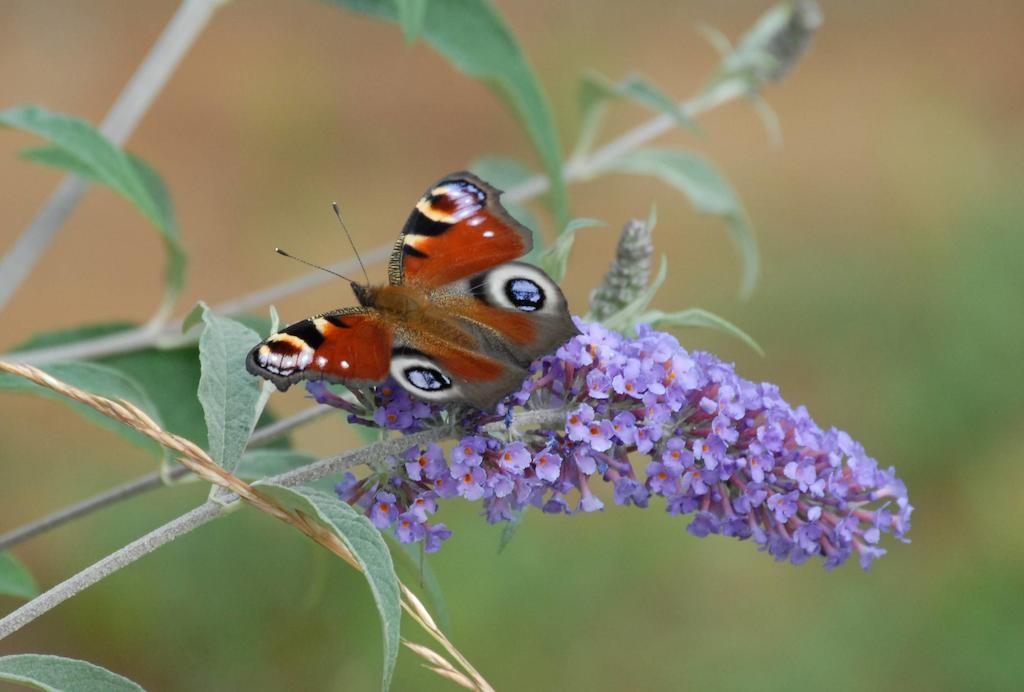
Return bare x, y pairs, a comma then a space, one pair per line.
597, 91
229, 394
78, 147
59, 674
696, 317
475, 39
709, 192
264, 463
366, 545
97, 379
15, 579
554, 259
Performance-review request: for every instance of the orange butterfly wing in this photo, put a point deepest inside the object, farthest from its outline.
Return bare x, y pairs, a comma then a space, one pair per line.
348, 345
457, 229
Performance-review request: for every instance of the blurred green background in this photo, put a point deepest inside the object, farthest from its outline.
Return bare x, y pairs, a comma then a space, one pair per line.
890, 304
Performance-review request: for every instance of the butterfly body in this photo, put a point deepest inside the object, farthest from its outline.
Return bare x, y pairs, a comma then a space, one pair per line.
458, 321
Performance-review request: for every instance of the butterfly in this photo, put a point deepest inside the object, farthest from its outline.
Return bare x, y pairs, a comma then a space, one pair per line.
459, 320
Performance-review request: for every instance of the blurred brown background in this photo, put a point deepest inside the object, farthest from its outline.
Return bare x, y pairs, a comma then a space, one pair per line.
890, 304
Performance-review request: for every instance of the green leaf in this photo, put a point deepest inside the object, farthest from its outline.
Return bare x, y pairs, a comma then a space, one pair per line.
15, 579
228, 393
696, 317
475, 39
264, 463
169, 377
410, 17
709, 192
95, 379
368, 547
160, 198
554, 259
267, 388
411, 556
78, 147
628, 317
59, 674
597, 91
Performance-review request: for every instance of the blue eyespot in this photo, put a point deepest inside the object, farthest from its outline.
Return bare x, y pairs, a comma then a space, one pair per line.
427, 379
525, 294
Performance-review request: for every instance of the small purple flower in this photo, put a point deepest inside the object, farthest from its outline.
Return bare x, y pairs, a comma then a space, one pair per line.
409, 529
436, 535
783, 506
548, 466
598, 434
500, 484
384, 511
470, 481
663, 479
598, 384
498, 509
469, 451
514, 458
422, 505
630, 491
703, 524
394, 416
425, 463
631, 380
588, 501
346, 489
624, 428
446, 487
578, 421
676, 455
646, 436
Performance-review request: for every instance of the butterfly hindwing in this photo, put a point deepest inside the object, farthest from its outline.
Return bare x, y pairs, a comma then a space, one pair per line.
503, 319
457, 229
442, 372
349, 345
518, 306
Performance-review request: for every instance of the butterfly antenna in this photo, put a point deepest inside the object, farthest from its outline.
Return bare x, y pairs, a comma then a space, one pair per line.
337, 212
310, 264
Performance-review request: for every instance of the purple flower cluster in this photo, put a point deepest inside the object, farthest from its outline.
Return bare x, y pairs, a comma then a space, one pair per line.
730, 453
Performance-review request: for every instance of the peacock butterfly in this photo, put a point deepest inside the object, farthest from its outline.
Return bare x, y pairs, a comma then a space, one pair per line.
458, 320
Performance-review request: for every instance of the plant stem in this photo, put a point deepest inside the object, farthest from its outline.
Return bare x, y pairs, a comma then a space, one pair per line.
576, 170
136, 97
169, 335
150, 481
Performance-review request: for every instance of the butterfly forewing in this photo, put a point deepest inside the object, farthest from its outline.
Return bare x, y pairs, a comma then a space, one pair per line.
457, 229
350, 345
